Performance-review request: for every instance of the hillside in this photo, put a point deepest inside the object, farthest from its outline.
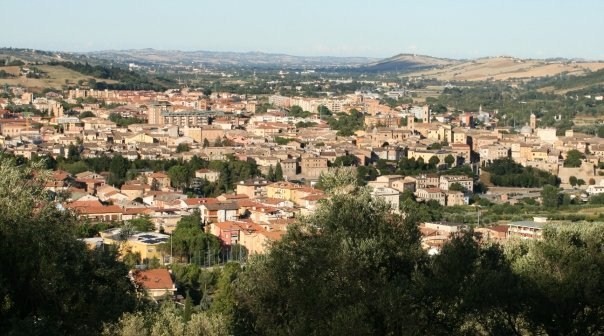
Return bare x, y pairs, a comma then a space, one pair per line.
407, 62
219, 58
507, 68
55, 76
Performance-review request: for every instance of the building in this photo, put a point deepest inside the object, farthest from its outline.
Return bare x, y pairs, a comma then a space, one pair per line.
253, 188
146, 244
428, 194
526, 229
219, 212
289, 167
154, 116
187, 118
447, 180
209, 175
314, 166
157, 283
389, 195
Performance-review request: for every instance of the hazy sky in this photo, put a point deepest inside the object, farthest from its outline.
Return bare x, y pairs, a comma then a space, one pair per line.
376, 28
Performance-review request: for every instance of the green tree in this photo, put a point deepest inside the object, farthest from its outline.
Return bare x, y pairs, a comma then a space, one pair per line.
118, 168
434, 161
550, 196
346, 161
218, 142
87, 114
563, 276
572, 180
449, 160
573, 158
168, 319
337, 273
270, 175
50, 283
580, 182
457, 187
142, 224
179, 176
206, 143
278, 172
183, 147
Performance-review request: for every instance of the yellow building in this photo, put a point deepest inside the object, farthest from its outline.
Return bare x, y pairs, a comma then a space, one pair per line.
146, 244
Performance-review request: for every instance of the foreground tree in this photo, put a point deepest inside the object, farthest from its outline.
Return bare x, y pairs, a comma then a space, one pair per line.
50, 283
167, 319
339, 271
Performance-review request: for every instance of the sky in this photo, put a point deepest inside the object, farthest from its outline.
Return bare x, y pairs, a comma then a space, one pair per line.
372, 28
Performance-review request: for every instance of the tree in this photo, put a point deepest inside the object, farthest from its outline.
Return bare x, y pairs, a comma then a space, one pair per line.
449, 160
218, 142
550, 196
278, 172
50, 283
573, 158
142, 224
87, 114
580, 182
346, 161
457, 187
563, 277
434, 161
592, 181
191, 244
179, 176
206, 143
118, 169
270, 175
341, 271
572, 181
168, 319
183, 147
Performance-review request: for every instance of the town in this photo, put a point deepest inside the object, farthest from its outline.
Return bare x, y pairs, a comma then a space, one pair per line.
149, 186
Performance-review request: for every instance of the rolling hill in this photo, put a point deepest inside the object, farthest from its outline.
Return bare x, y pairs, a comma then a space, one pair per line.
220, 58
407, 62
507, 68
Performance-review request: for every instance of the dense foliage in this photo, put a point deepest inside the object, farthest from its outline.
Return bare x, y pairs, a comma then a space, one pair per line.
50, 283
507, 173
347, 124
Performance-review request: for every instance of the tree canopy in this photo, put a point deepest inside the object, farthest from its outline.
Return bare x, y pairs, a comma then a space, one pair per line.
50, 283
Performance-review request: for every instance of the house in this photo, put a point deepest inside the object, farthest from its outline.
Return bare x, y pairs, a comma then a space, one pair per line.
253, 188
209, 175
447, 180
157, 283
428, 194
389, 195
218, 212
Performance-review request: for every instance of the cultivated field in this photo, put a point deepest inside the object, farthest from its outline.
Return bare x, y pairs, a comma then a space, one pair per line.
507, 68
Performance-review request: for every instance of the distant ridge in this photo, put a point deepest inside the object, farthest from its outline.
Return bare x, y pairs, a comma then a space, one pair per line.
250, 58
408, 62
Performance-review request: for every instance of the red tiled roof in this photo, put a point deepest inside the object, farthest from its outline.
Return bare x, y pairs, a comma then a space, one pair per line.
197, 201
154, 279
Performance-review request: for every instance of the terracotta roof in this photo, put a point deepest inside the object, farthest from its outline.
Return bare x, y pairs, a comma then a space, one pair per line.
99, 210
154, 279
197, 201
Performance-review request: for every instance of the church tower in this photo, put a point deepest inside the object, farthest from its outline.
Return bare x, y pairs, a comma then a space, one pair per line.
533, 122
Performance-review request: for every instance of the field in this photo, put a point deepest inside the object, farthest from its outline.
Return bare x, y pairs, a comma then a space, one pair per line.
506, 68
57, 77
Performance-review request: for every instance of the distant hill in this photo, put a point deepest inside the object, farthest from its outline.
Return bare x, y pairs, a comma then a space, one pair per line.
406, 63
507, 68
219, 58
